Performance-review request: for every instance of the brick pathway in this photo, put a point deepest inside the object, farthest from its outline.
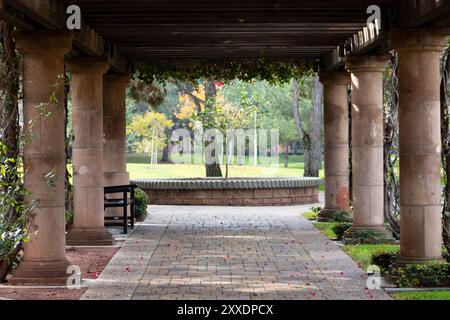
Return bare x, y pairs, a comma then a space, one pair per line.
230, 253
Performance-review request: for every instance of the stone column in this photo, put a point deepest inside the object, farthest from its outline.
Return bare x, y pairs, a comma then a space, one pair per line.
420, 143
87, 100
114, 128
367, 147
45, 260
336, 143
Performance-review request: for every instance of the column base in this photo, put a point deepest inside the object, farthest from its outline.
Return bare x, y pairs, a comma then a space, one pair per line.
405, 261
89, 237
329, 215
368, 235
41, 273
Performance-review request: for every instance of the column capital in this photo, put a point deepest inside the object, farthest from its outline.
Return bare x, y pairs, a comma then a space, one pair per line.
335, 77
419, 39
367, 63
43, 42
87, 65
122, 78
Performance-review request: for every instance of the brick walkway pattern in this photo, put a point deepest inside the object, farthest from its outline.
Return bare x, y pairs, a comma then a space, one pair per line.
210, 253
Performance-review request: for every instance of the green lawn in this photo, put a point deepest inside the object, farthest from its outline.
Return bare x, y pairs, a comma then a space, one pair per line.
360, 253
326, 228
422, 295
363, 253
139, 167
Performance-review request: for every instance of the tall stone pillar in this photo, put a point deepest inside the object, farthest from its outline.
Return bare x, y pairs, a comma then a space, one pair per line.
114, 128
367, 147
420, 143
45, 260
87, 100
336, 143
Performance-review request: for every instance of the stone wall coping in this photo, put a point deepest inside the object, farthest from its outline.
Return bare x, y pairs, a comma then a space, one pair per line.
230, 184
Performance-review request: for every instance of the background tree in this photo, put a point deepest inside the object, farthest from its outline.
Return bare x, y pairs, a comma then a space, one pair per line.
150, 132
213, 169
311, 139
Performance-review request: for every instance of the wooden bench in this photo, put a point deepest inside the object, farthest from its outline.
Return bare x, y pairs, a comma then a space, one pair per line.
127, 200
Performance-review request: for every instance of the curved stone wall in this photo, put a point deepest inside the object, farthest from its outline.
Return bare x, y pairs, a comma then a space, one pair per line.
232, 192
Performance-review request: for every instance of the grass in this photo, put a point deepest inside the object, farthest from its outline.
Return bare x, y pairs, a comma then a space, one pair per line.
422, 295
139, 167
310, 215
326, 228
362, 253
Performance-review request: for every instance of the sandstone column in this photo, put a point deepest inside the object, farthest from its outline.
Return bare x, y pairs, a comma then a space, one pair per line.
336, 143
114, 128
45, 260
420, 143
87, 99
367, 147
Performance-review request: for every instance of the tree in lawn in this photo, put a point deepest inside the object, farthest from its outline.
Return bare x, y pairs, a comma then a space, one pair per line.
212, 169
275, 118
204, 98
288, 135
142, 97
274, 103
230, 120
149, 131
311, 139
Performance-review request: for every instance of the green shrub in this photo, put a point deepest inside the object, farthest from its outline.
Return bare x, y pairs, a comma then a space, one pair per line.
14, 211
340, 228
342, 216
384, 259
69, 218
368, 237
426, 275
141, 203
316, 210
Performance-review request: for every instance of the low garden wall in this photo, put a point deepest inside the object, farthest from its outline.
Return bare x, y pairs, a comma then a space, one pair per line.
232, 192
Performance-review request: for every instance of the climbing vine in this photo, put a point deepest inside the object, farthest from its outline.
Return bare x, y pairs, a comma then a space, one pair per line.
273, 71
445, 136
391, 148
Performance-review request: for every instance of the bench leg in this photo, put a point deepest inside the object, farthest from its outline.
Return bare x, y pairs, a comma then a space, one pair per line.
133, 214
125, 215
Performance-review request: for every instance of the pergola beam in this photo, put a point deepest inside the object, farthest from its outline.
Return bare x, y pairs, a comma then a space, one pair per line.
10, 16
424, 12
50, 14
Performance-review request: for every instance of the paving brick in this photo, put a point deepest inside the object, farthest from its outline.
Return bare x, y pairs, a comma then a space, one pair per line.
210, 253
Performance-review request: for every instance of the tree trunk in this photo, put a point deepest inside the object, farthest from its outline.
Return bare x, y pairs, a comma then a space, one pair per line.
445, 118
286, 155
316, 127
166, 155
311, 142
304, 137
212, 170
